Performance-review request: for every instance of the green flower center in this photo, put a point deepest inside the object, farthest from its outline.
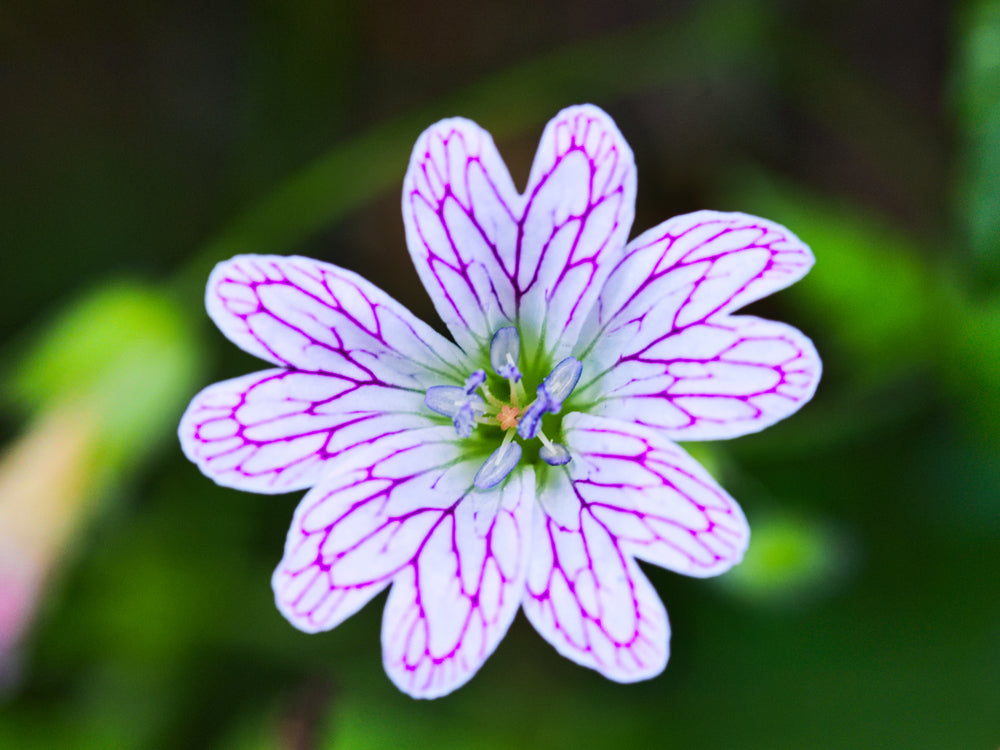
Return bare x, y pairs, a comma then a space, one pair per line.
499, 403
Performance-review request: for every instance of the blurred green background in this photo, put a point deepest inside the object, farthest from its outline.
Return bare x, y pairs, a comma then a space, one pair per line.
141, 143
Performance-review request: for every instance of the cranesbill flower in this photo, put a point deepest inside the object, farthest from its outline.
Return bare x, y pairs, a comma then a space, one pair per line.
531, 462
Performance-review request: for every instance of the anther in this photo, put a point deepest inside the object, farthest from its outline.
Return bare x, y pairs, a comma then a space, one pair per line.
475, 380
453, 401
500, 463
554, 454
505, 348
561, 381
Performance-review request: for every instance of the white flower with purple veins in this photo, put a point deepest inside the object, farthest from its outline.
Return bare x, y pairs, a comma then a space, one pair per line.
530, 463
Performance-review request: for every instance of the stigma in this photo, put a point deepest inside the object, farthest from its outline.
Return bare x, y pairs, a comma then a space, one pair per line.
508, 417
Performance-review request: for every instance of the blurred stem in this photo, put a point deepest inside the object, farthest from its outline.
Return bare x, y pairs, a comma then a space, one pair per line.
47, 468
47, 483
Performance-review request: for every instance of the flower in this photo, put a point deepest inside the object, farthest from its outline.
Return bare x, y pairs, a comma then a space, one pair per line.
532, 461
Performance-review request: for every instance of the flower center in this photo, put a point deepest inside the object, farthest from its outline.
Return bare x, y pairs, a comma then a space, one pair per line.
467, 408
508, 416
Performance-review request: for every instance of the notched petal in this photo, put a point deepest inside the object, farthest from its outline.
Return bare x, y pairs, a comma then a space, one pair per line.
632, 493
588, 598
279, 430
461, 212
449, 609
663, 347
307, 315
631, 477
713, 381
580, 206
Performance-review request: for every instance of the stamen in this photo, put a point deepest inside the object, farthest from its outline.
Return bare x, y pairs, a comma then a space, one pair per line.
453, 401
562, 380
517, 392
554, 454
445, 399
550, 396
500, 463
465, 420
467, 408
505, 348
490, 398
531, 420
475, 380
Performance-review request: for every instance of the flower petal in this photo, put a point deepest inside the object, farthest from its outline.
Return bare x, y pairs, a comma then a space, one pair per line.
461, 211
449, 609
589, 599
490, 257
306, 315
401, 510
628, 492
664, 350
579, 210
278, 430
651, 496
713, 381
362, 525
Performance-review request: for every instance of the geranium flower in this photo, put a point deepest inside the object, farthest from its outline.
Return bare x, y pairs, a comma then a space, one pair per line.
532, 461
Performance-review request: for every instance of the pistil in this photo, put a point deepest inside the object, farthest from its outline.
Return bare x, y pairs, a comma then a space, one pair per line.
509, 416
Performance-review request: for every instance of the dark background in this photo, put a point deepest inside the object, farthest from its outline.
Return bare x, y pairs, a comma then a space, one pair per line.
142, 143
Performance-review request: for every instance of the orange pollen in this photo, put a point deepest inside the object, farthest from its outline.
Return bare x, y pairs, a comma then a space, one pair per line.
508, 417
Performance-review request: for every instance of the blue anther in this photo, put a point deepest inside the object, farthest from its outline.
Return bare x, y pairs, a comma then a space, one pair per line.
505, 348
531, 420
453, 401
554, 454
475, 380
465, 420
500, 463
561, 381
